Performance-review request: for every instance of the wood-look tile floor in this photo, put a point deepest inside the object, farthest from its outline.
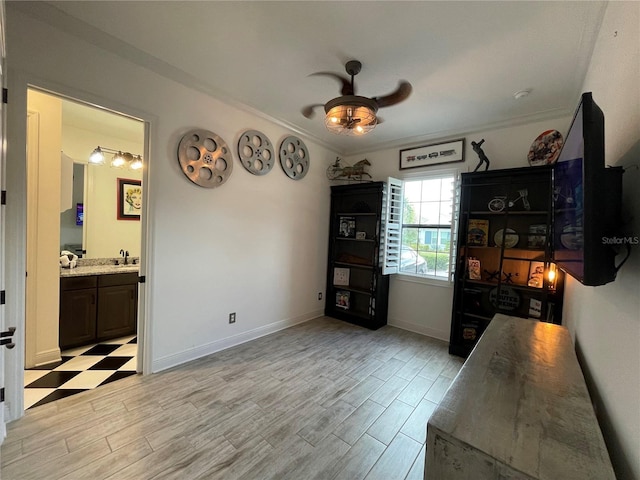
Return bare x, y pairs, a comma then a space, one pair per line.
321, 400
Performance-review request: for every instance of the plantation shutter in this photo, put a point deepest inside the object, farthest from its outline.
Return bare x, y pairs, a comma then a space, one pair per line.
391, 226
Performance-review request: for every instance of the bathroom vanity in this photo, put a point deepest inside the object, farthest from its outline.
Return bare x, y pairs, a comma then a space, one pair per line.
97, 303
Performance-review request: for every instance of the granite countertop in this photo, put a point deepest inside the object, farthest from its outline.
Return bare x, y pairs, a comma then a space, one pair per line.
101, 266
98, 270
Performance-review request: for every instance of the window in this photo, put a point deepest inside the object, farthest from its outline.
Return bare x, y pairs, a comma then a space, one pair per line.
426, 228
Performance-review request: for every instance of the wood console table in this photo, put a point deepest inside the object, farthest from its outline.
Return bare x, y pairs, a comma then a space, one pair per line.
518, 409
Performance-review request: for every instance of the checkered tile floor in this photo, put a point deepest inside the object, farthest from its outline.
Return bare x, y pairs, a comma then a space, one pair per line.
80, 369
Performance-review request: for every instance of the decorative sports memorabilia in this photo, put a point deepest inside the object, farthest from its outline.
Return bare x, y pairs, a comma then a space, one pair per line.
545, 148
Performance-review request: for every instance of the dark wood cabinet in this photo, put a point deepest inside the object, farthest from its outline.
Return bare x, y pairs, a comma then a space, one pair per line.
96, 308
357, 291
503, 252
78, 302
117, 305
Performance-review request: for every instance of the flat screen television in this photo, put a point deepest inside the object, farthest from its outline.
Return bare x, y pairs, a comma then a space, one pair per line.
79, 214
587, 200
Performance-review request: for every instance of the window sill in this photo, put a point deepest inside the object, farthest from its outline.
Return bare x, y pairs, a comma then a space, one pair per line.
432, 281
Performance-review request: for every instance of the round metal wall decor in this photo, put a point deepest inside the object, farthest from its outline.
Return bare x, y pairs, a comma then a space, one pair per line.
256, 152
205, 158
294, 157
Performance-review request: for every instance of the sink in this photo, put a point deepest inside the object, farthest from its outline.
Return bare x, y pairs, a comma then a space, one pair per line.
129, 267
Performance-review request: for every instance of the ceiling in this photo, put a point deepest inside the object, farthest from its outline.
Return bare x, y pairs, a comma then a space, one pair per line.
465, 60
103, 122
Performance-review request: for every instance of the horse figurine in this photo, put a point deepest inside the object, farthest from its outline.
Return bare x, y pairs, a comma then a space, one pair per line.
349, 172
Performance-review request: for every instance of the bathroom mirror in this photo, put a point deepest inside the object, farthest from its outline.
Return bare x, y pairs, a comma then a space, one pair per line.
91, 224
72, 219
95, 187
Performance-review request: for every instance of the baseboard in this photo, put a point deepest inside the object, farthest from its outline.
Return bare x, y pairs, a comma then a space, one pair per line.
417, 328
202, 351
3, 425
48, 356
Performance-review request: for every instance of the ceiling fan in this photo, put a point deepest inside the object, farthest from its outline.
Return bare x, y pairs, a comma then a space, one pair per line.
351, 114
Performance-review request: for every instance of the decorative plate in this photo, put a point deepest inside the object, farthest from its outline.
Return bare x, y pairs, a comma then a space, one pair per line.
572, 237
546, 148
511, 238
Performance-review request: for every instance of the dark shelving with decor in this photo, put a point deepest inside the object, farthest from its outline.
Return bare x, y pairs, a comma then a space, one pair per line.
504, 257
357, 292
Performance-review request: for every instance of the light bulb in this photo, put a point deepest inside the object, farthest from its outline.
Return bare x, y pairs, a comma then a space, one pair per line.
136, 164
96, 157
118, 160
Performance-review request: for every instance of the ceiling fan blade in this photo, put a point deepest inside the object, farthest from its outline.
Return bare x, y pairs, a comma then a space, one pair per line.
308, 110
402, 93
347, 88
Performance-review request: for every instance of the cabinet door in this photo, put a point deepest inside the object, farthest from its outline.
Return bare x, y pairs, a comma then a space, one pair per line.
77, 317
117, 311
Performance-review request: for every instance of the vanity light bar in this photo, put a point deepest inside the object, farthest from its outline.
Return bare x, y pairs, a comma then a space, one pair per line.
119, 160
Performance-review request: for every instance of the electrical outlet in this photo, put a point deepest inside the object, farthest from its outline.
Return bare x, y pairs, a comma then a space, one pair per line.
319, 295
232, 317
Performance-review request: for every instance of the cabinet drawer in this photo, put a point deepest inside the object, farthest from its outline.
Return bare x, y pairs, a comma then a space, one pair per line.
76, 283
118, 279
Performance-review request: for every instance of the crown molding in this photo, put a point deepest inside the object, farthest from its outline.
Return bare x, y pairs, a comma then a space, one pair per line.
468, 130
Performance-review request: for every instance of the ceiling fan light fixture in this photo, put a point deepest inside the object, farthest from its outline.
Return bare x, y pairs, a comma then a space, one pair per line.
351, 119
352, 114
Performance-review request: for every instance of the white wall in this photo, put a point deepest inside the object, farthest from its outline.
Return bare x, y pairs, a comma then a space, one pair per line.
605, 320
425, 307
255, 246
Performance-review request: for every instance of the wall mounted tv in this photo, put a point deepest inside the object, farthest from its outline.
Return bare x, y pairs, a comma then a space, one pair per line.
79, 214
587, 200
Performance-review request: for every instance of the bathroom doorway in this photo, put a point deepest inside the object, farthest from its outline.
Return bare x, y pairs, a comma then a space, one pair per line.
84, 247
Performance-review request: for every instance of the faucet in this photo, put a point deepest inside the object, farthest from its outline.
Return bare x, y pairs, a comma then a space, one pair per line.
125, 254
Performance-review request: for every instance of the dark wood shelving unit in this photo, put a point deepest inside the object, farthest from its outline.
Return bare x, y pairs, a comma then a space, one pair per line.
509, 245
363, 300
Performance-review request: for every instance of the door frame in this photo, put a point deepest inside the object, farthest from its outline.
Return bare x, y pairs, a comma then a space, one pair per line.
3, 214
15, 251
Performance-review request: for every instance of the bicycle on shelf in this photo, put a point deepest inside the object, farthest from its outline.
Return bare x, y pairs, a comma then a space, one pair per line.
500, 202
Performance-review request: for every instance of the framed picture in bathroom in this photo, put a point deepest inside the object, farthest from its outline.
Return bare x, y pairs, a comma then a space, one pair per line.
129, 199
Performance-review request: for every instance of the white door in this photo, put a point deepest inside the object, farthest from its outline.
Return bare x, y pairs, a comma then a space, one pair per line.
3, 326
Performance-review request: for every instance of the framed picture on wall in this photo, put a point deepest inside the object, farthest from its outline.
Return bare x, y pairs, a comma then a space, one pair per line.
434, 154
129, 199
